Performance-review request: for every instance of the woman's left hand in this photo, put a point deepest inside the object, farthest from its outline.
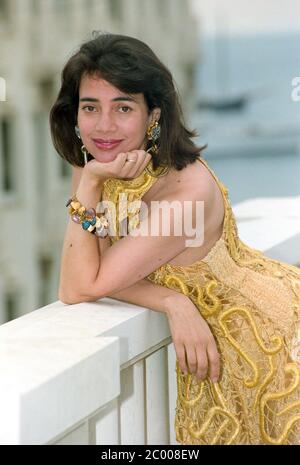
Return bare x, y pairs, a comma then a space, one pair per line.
120, 167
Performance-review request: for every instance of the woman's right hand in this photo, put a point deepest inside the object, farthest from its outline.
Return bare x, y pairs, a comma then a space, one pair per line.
195, 345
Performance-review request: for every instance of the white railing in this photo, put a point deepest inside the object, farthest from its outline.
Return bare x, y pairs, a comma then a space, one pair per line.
271, 224
92, 373
104, 372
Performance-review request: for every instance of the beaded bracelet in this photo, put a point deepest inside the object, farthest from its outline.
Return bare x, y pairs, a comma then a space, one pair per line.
88, 218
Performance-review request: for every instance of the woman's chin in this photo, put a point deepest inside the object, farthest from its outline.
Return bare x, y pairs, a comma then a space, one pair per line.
105, 157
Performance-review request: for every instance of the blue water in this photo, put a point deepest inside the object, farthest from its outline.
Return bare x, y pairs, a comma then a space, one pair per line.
255, 151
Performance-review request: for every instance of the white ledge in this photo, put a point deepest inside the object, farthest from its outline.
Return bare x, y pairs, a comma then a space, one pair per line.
272, 225
48, 385
61, 363
106, 317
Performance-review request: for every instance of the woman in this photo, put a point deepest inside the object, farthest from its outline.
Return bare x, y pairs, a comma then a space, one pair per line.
233, 312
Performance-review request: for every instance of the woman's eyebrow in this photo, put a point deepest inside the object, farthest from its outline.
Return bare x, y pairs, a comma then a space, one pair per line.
116, 99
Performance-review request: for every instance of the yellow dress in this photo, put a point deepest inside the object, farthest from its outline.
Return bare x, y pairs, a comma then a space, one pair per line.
252, 305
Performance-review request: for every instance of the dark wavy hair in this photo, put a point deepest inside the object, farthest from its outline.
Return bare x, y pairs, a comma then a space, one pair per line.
130, 65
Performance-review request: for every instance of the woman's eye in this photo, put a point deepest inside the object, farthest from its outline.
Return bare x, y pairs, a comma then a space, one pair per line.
128, 108
88, 106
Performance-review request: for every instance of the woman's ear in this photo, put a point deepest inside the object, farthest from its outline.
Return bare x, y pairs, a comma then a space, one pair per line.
156, 112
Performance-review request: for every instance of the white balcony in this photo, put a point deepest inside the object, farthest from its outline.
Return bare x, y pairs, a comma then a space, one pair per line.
104, 372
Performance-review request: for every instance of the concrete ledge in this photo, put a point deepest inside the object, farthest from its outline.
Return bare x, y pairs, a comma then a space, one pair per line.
48, 385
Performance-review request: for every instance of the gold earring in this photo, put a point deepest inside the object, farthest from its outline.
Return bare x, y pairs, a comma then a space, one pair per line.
153, 133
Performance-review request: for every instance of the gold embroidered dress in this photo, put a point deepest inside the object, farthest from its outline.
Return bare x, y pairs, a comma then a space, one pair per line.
252, 305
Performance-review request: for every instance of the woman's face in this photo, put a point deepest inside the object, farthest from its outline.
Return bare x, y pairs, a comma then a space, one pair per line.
106, 114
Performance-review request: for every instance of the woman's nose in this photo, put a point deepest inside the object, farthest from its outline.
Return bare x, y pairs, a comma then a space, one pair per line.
105, 122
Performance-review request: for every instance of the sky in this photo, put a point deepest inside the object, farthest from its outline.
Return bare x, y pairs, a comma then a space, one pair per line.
247, 16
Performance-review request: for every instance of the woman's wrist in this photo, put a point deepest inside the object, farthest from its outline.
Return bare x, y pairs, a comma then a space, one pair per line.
89, 191
174, 302
95, 182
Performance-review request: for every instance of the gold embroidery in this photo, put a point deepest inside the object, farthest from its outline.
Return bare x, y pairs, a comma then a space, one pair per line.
252, 305
208, 310
293, 370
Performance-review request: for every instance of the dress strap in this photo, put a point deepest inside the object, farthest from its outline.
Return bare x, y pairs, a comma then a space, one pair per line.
220, 184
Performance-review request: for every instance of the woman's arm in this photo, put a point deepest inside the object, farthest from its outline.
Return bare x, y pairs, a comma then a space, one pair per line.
87, 274
150, 295
143, 293
80, 254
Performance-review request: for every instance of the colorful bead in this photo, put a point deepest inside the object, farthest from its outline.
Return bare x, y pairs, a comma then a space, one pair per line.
75, 205
76, 218
85, 224
81, 210
90, 213
101, 231
90, 228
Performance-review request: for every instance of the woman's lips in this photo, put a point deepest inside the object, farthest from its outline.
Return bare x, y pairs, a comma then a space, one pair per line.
106, 145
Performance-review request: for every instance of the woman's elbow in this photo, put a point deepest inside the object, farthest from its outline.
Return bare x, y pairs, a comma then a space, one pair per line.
72, 299
69, 299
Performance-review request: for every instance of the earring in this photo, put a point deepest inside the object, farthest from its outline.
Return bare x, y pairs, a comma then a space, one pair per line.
153, 133
77, 132
83, 148
85, 153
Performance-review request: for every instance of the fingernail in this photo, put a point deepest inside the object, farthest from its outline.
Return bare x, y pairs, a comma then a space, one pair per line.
214, 380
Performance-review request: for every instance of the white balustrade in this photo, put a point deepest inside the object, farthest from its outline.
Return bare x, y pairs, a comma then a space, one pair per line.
91, 373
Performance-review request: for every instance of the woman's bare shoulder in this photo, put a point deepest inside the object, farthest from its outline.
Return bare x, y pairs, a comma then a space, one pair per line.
194, 179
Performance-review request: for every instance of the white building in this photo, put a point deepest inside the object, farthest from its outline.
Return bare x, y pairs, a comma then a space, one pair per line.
36, 39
